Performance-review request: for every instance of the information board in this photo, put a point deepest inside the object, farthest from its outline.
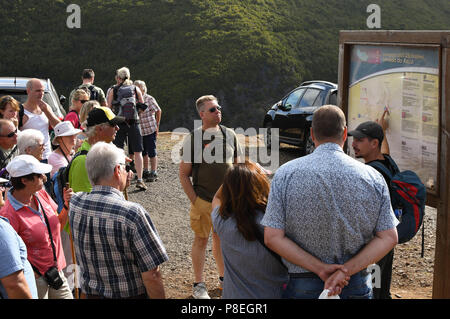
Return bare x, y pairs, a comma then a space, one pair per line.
405, 81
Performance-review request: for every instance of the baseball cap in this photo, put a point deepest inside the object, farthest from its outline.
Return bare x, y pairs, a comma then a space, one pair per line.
23, 165
368, 129
64, 128
100, 115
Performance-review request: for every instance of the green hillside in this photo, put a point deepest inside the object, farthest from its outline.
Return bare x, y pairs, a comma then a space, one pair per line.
246, 52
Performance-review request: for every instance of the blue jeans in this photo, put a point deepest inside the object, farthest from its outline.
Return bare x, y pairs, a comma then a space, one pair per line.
359, 287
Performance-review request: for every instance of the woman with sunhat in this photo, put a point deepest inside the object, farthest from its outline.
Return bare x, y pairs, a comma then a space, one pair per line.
65, 138
32, 213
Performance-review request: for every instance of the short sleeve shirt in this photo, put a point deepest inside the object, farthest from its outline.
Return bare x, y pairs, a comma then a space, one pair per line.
32, 228
147, 117
329, 204
115, 241
72, 117
205, 149
13, 257
251, 272
78, 176
101, 95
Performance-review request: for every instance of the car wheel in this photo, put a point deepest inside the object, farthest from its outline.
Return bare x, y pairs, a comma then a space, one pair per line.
308, 145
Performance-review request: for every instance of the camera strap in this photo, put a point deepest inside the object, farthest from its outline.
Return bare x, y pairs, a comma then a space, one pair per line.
49, 230
50, 234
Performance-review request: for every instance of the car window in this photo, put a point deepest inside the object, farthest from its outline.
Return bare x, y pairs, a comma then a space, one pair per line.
333, 98
293, 98
309, 97
320, 98
19, 96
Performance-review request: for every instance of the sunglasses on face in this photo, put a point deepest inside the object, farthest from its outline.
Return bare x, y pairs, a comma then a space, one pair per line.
10, 134
214, 108
83, 101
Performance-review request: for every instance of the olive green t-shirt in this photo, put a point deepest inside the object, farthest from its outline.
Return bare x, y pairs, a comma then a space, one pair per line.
210, 160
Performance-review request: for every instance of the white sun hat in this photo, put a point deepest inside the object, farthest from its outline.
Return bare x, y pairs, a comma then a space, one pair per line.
64, 128
23, 165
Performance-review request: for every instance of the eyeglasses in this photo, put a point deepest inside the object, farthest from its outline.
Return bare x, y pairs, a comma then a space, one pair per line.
10, 134
214, 108
83, 101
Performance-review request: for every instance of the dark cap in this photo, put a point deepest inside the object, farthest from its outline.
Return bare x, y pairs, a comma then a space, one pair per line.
100, 115
368, 129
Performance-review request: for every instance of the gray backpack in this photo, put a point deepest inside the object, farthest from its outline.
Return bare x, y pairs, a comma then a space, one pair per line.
126, 100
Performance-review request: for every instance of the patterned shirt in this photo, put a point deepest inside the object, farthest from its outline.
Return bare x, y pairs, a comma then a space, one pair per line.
147, 117
329, 204
115, 241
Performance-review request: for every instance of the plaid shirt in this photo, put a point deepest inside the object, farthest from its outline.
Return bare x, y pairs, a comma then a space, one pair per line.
147, 117
115, 241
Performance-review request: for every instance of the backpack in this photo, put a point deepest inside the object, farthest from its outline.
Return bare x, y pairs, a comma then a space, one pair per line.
125, 98
94, 93
408, 195
60, 179
21, 114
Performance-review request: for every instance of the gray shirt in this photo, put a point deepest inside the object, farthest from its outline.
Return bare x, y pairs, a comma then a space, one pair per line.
251, 272
329, 204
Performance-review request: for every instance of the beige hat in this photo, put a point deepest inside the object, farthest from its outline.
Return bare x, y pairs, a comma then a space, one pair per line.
64, 128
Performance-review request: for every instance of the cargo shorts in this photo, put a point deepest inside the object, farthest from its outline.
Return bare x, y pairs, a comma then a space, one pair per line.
200, 216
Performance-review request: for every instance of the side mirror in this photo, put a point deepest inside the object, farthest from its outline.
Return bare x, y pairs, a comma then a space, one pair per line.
62, 99
286, 107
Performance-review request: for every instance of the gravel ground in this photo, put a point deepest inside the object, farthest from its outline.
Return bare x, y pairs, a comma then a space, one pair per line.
169, 209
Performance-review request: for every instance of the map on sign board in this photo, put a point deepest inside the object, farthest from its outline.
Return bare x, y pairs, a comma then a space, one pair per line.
405, 81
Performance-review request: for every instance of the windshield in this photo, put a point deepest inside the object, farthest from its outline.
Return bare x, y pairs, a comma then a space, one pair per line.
21, 96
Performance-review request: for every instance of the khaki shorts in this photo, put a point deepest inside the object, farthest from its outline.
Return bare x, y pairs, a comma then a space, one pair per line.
200, 215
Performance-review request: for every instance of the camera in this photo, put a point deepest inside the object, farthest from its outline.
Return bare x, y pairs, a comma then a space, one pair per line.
53, 278
141, 106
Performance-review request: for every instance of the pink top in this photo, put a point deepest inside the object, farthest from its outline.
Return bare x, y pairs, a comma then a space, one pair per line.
30, 225
57, 160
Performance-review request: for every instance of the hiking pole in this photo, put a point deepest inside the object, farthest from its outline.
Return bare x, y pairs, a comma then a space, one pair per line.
77, 296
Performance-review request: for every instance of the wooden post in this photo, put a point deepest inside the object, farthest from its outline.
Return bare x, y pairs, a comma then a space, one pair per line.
441, 280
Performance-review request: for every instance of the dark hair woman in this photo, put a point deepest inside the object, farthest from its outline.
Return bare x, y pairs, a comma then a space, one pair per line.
251, 271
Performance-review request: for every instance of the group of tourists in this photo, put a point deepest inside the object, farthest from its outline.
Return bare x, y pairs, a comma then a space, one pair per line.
39, 238
321, 221
318, 225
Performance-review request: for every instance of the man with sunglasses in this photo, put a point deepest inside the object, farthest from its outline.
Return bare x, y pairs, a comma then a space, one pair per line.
207, 153
8, 142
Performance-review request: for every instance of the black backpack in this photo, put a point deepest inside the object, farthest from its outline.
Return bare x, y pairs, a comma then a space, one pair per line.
21, 114
94, 93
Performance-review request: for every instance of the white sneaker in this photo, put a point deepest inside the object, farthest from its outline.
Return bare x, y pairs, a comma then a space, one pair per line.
200, 292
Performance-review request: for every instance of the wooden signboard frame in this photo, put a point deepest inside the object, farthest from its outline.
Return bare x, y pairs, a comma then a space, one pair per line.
440, 197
